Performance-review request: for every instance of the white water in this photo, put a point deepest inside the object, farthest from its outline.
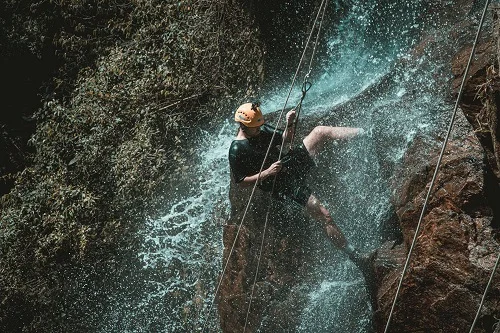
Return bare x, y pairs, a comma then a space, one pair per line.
188, 239
182, 253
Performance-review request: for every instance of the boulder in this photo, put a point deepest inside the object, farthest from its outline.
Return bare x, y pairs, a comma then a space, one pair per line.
266, 282
456, 246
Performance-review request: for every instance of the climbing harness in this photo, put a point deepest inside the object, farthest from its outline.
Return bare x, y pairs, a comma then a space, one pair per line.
306, 86
450, 126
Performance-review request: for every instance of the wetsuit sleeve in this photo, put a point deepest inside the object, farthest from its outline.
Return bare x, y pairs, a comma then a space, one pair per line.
237, 160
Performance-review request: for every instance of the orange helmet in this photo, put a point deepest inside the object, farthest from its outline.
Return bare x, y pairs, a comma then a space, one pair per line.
249, 114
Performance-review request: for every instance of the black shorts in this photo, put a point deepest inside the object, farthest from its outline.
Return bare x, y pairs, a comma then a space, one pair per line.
290, 182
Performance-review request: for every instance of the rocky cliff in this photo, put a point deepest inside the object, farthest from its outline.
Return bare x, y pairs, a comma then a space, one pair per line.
458, 243
456, 247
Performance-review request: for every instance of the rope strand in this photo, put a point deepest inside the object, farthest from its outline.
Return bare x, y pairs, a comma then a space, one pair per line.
452, 120
323, 3
484, 294
306, 85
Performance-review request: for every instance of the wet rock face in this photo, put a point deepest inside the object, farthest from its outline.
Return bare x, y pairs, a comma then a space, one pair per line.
282, 263
481, 97
455, 248
458, 241
450, 266
455, 251
453, 256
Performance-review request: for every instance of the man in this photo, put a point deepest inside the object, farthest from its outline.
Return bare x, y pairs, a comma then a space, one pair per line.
247, 153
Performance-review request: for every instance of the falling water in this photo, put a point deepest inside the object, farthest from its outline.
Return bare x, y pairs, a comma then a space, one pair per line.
364, 82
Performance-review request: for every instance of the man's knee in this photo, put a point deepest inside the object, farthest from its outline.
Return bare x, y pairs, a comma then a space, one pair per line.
317, 132
314, 205
313, 139
312, 202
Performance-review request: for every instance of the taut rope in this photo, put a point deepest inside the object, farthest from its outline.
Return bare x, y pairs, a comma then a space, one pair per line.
484, 294
452, 120
322, 7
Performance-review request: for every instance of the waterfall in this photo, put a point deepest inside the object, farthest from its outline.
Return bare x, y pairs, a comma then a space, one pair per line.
369, 80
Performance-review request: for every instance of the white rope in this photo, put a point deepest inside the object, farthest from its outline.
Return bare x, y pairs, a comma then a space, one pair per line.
305, 86
452, 120
322, 7
485, 292
255, 184
257, 270
323, 3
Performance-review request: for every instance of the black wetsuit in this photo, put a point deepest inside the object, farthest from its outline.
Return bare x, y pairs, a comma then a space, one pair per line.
246, 156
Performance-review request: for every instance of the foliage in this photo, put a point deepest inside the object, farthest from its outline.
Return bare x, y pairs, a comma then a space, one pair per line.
134, 77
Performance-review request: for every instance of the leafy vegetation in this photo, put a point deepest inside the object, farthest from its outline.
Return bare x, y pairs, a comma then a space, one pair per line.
132, 78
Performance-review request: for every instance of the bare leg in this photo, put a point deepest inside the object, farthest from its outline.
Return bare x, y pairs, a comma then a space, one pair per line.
320, 134
321, 214
364, 263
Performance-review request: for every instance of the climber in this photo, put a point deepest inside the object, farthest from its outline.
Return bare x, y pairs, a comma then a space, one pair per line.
248, 151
